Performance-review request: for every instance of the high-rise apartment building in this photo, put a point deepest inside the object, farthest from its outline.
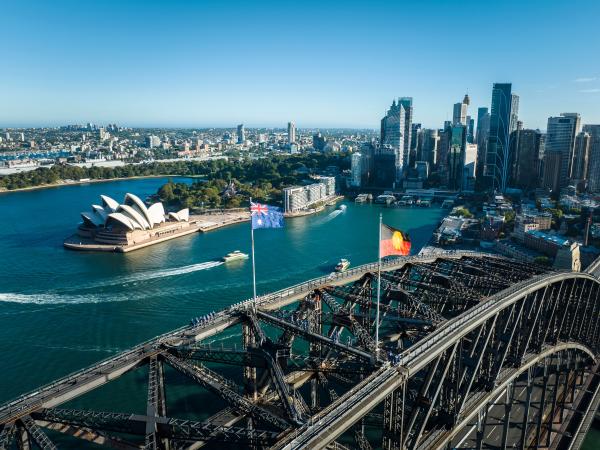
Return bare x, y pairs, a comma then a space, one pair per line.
503, 121
527, 167
470, 130
241, 134
291, 131
456, 156
428, 145
560, 138
579, 162
552, 171
593, 172
481, 138
356, 169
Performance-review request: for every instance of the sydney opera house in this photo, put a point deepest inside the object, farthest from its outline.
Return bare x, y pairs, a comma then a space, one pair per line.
113, 226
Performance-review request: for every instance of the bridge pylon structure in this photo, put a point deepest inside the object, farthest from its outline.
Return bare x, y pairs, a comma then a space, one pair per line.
476, 351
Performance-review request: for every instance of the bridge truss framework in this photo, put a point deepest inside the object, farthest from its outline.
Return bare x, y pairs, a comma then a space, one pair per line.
477, 351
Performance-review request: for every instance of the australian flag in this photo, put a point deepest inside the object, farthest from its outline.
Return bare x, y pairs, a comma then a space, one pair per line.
265, 216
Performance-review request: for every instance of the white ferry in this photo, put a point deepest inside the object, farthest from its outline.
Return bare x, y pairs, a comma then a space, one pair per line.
342, 266
234, 256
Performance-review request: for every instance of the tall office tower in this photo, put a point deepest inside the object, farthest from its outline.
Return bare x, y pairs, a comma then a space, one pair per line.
503, 121
579, 163
459, 113
456, 157
560, 138
393, 133
593, 173
414, 135
291, 132
528, 159
7, 136
481, 138
407, 104
552, 170
470, 130
427, 149
241, 134
22, 137
443, 152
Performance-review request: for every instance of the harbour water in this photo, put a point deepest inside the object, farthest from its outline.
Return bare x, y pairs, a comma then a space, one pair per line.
62, 310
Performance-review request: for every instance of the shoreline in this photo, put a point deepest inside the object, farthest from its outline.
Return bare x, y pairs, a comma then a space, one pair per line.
97, 180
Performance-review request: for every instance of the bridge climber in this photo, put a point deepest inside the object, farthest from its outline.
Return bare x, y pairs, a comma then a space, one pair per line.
475, 351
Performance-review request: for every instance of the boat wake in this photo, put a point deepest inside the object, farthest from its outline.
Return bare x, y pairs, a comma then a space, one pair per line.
67, 297
332, 215
59, 299
154, 274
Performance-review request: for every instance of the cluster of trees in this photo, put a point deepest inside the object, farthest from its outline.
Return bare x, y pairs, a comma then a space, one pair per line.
261, 179
277, 170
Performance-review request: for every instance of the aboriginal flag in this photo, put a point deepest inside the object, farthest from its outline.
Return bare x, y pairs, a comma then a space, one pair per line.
393, 242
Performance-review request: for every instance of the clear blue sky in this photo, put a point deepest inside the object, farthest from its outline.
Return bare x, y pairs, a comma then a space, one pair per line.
336, 63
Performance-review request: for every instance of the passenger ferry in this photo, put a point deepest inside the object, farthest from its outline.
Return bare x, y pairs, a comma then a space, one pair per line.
234, 256
342, 266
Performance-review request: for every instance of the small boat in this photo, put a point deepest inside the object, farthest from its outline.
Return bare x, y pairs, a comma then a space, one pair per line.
341, 208
234, 256
342, 266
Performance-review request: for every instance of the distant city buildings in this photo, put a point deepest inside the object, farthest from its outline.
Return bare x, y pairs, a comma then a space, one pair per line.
291, 132
241, 134
319, 142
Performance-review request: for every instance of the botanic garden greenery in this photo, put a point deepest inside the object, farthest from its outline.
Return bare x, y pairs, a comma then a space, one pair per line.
261, 180
277, 170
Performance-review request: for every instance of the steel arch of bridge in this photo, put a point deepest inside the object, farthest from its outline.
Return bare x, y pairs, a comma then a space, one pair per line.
569, 302
458, 330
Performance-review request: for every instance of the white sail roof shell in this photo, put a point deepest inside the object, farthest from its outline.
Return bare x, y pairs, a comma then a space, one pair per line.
123, 220
157, 213
109, 204
137, 203
135, 216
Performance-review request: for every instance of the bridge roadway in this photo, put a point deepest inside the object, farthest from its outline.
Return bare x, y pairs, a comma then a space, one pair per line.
331, 422
90, 378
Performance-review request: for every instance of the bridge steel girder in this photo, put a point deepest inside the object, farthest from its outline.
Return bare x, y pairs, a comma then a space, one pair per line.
226, 390
348, 409
135, 424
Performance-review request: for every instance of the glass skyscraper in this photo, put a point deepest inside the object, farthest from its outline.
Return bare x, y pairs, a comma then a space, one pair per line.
503, 121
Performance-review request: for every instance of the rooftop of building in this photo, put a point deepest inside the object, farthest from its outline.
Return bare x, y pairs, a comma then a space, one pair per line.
558, 240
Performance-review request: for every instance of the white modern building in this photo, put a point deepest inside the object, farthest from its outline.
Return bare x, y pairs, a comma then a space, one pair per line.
299, 198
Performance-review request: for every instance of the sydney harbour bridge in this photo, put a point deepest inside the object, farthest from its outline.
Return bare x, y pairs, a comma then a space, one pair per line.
474, 351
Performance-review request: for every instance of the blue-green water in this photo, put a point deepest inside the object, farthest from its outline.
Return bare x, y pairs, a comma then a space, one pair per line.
62, 310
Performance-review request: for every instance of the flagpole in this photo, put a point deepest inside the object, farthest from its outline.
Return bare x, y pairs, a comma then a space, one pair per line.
378, 287
253, 266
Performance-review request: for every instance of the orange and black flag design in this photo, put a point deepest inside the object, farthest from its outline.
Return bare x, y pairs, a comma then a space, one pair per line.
393, 242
